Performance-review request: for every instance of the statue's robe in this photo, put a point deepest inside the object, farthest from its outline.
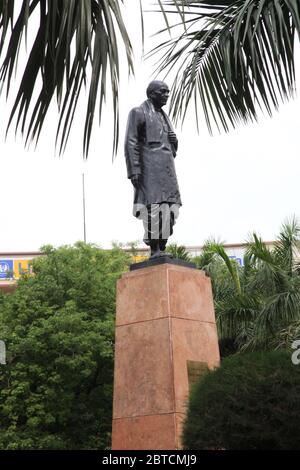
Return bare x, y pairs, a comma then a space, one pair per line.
150, 154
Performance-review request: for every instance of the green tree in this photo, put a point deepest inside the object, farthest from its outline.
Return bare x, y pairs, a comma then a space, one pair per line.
212, 262
234, 57
76, 42
58, 326
257, 306
178, 252
250, 402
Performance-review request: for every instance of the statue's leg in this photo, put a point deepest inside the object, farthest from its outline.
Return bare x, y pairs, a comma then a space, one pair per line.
168, 215
153, 217
147, 226
174, 213
155, 249
159, 220
162, 244
154, 229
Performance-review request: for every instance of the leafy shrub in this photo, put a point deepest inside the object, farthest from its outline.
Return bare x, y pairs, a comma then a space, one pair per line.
58, 326
251, 402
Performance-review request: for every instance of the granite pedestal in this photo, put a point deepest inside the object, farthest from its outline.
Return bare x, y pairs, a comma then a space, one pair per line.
165, 337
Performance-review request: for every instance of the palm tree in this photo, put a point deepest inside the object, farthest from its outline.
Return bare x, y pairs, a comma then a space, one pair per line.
234, 57
275, 278
178, 252
234, 308
257, 306
75, 44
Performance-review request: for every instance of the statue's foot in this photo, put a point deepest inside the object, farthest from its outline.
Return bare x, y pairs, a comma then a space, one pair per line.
158, 249
156, 254
159, 254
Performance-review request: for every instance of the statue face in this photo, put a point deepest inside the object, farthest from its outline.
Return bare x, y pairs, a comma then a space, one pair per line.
160, 95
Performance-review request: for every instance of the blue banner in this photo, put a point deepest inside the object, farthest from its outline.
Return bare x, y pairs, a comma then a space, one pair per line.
6, 268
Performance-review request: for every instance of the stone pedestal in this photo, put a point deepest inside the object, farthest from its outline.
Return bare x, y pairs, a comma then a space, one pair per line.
165, 333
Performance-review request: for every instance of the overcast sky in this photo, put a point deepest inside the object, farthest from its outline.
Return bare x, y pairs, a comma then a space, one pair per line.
230, 184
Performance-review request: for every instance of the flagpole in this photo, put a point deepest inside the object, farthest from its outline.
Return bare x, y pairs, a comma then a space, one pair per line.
83, 197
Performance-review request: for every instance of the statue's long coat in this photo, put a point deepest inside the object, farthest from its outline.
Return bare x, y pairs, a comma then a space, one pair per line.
150, 154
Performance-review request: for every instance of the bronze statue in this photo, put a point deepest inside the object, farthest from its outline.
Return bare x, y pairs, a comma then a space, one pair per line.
150, 149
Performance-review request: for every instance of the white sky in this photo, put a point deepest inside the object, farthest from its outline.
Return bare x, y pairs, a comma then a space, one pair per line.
230, 184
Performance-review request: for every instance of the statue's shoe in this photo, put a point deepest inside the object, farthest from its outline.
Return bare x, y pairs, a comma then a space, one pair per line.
161, 254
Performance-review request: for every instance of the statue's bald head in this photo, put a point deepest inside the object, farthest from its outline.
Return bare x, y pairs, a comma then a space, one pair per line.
154, 86
158, 92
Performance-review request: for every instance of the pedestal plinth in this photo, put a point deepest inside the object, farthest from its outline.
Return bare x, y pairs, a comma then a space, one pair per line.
165, 330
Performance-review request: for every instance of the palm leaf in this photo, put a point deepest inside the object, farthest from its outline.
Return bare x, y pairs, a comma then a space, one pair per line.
287, 245
235, 57
76, 46
278, 313
178, 252
231, 265
236, 314
288, 335
268, 275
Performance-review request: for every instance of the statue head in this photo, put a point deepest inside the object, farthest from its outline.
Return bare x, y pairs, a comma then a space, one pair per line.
158, 92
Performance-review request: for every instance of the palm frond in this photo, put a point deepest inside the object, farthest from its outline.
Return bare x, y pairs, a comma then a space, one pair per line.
268, 276
178, 252
235, 314
276, 316
287, 245
287, 336
257, 251
282, 309
231, 265
264, 313
206, 258
76, 43
235, 57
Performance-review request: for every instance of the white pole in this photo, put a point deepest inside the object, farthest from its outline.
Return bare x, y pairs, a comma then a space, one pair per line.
83, 195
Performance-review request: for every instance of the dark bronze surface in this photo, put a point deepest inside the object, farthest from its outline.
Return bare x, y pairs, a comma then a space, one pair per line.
150, 148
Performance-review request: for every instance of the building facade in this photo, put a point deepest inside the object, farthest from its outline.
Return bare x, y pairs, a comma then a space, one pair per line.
14, 264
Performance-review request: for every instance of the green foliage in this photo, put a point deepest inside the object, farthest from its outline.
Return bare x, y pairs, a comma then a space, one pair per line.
250, 402
76, 42
257, 306
178, 252
234, 57
131, 247
58, 326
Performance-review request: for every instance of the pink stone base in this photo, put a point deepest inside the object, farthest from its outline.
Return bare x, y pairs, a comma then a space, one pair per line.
146, 432
165, 317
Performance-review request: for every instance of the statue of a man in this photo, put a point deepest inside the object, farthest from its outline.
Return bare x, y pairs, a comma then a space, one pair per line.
150, 149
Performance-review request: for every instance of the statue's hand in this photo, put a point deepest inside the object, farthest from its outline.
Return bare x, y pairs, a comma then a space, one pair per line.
136, 180
172, 137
